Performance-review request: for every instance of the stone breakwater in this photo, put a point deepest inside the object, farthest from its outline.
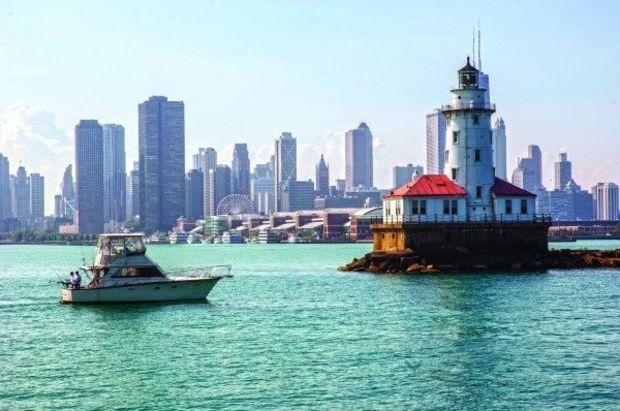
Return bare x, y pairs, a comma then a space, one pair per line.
462, 260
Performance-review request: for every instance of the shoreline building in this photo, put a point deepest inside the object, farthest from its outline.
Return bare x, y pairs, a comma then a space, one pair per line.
37, 200
499, 148
263, 187
563, 172
206, 161
161, 135
88, 216
114, 175
468, 207
194, 186
21, 197
358, 157
67, 189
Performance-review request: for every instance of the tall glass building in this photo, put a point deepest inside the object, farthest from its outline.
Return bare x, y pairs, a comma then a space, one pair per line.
358, 158
161, 135
114, 173
241, 170
89, 177
285, 164
435, 142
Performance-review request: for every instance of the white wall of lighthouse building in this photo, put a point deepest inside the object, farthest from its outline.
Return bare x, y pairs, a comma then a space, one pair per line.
469, 148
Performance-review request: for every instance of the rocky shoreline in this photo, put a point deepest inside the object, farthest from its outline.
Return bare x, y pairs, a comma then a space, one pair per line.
462, 260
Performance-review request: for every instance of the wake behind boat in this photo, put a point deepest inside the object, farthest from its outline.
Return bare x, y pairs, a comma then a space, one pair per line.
123, 273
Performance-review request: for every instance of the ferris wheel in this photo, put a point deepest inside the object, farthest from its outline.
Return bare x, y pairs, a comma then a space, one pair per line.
234, 204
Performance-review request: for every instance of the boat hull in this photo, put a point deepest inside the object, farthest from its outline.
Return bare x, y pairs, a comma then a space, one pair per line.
174, 290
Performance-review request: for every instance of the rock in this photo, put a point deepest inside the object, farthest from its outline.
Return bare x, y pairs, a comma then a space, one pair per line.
430, 269
407, 261
480, 267
415, 268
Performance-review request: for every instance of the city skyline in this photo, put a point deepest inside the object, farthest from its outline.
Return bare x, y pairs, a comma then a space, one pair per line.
392, 93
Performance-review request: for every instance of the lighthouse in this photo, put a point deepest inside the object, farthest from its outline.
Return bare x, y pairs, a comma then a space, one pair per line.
469, 143
468, 207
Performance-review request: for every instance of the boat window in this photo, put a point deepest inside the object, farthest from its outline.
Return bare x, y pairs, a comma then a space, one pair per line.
151, 271
134, 245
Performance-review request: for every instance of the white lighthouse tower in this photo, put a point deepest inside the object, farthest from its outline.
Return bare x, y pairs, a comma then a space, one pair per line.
469, 147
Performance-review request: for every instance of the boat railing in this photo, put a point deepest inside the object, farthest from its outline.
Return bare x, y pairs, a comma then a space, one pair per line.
222, 270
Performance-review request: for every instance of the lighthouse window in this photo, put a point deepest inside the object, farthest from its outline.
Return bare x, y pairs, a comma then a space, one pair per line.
478, 191
455, 173
423, 207
523, 206
454, 206
450, 207
446, 156
477, 155
508, 206
476, 119
415, 207
446, 206
455, 137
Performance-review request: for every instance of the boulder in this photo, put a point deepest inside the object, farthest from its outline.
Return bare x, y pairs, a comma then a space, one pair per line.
415, 268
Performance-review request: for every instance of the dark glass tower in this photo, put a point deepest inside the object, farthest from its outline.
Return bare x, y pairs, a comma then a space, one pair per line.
322, 177
241, 170
89, 177
161, 134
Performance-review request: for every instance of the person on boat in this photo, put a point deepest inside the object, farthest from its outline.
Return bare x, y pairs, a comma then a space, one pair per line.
75, 279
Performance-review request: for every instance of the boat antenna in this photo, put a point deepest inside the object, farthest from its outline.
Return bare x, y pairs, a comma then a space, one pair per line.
473, 45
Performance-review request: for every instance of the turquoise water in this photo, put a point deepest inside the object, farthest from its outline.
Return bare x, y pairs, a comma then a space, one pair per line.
289, 331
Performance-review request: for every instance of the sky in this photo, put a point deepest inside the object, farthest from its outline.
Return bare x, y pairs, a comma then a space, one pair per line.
248, 70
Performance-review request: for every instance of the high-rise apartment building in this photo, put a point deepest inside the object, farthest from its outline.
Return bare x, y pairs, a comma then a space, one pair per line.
499, 148
58, 206
358, 157
219, 186
435, 142
605, 201
322, 177
133, 202
114, 173
89, 177
241, 170
403, 175
563, 172
528, 174
37, 199
262, 188
5, 190
161, 135
67, 190
285, 164
205, 159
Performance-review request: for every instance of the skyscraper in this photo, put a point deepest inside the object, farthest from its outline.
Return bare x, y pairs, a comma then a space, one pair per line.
435, 142
161, 135
528, 174
403, 175
21, 197
563, 172
37, 198
358, 157
285, 164
322, 177
499, 148
89, 177
58, 206
68, 193
219, 186
262, 188
114, 174
241, 170
605, 201
297, 195
205, 159
194, 187
5, 191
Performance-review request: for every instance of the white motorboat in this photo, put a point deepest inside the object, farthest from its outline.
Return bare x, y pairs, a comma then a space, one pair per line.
123, 273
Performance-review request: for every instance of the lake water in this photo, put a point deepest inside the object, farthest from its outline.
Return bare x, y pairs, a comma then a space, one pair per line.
289, 331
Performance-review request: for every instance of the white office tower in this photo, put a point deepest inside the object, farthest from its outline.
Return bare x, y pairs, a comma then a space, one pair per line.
469, 153
605, 201
499, 148
435, 142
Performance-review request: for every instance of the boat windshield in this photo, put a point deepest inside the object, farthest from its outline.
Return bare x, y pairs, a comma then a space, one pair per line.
114, 246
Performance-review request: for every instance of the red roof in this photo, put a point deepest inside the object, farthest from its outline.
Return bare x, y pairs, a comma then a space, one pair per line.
504, 188
429, 185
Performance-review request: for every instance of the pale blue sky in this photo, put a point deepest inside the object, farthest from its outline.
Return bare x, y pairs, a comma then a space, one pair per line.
249, 70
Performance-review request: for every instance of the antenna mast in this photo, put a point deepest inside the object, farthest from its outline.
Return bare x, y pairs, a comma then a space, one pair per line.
479, 58
473, 45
